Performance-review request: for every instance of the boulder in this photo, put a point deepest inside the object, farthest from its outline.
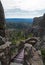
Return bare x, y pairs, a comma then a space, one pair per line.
32, 56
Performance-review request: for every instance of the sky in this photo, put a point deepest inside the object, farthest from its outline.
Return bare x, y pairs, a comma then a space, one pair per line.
23, 8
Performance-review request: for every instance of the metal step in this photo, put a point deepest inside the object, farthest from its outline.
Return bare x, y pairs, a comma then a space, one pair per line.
19, 58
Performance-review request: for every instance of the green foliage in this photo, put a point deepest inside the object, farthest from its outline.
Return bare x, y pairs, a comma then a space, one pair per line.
17, 32
31, 35
43, 55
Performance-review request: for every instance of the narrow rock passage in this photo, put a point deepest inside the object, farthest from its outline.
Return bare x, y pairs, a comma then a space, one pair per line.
19, 58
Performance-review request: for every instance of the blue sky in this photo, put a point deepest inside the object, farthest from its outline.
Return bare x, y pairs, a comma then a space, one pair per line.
23, 8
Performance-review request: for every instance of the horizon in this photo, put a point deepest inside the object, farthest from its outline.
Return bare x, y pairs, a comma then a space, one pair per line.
19, 20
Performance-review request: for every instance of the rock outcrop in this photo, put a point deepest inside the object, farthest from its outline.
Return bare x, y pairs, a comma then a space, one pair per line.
39, 29
5, 54
32, 56
35, 25
2, 21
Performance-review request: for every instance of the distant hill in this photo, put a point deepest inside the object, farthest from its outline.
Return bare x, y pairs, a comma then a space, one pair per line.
19, 23
19, 20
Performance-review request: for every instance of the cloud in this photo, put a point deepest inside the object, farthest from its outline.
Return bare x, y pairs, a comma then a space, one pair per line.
23, 13
23, 8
